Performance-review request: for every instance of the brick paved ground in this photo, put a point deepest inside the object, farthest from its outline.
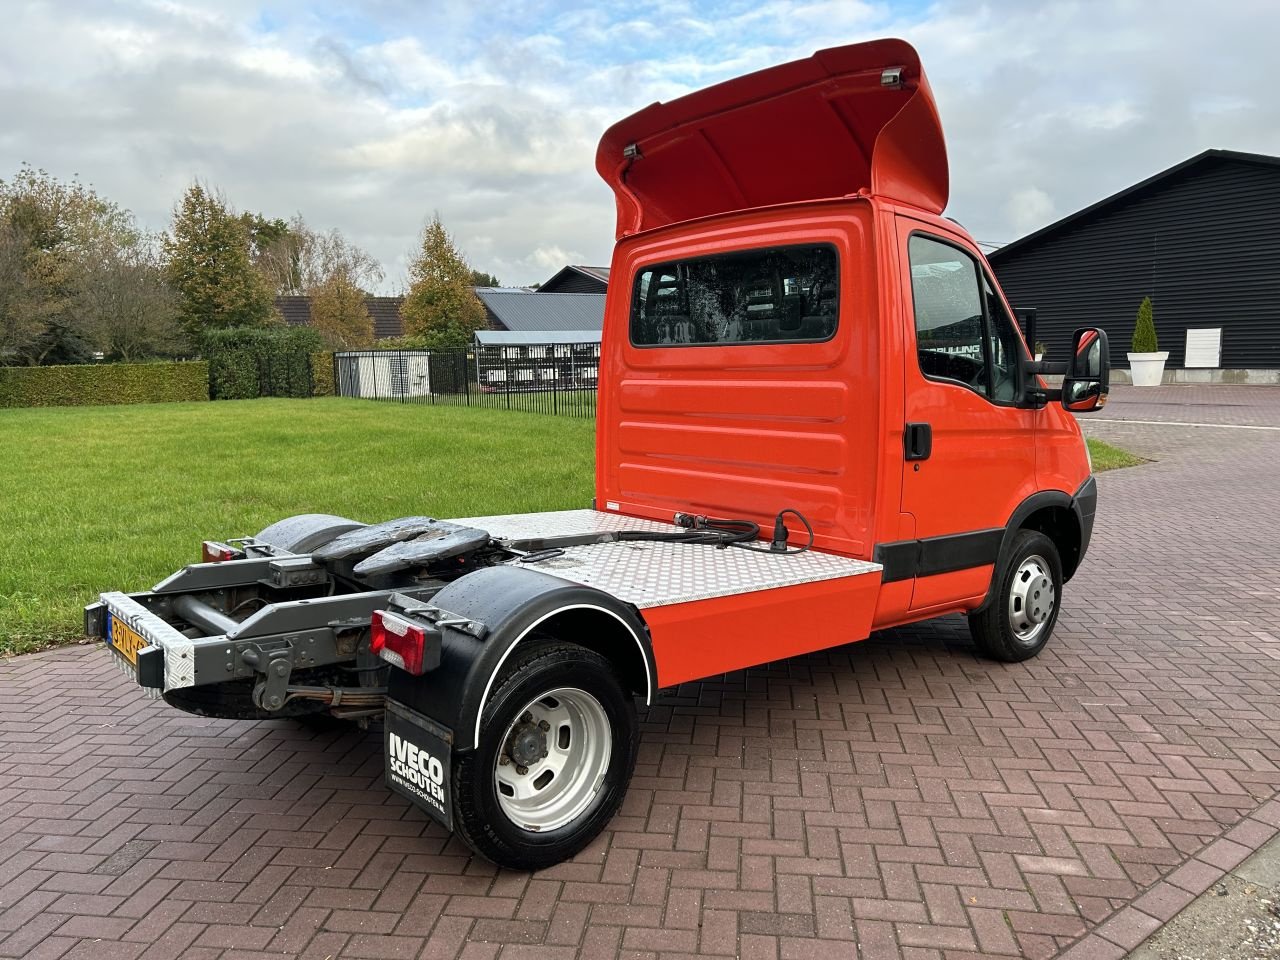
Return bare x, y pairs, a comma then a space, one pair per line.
893, 798
1220, 404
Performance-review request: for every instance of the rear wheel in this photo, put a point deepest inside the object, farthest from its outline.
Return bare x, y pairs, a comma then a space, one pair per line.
558, 741
1023, 608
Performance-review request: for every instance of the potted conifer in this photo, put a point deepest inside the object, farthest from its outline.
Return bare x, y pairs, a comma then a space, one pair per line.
1146, 359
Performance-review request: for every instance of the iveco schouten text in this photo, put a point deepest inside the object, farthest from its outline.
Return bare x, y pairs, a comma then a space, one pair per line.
817, 418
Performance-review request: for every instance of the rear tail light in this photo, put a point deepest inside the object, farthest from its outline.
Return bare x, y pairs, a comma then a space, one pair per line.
214, 552
403, 643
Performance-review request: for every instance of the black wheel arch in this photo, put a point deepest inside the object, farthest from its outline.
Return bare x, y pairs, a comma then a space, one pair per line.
514, 604
1066, 519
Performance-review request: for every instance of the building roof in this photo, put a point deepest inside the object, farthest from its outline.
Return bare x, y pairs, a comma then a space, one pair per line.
385, 312
566, 276
295, 310
1143, 186
512, 338
523, 310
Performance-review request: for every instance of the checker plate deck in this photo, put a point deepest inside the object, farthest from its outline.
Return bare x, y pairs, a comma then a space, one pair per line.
659, 574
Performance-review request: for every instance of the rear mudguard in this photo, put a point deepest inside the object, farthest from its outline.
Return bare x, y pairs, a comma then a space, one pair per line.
515, 603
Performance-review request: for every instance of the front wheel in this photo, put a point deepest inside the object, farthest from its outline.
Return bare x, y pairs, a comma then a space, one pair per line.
558, 742
1023, 608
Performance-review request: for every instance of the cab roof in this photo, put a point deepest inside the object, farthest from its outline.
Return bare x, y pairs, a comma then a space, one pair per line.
858, 118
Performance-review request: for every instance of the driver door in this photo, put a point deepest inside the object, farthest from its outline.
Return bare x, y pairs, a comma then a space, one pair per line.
964, 382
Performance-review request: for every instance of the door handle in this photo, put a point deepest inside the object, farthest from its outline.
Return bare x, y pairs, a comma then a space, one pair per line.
918, 441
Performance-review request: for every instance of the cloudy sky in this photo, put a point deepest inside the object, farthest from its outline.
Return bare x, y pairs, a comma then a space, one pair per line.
369, 116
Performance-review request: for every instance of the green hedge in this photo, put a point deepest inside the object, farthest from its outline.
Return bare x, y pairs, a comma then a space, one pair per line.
322, 374
91, 384
247, 362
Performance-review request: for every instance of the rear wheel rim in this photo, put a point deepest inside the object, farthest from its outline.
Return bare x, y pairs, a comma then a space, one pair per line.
552, 759
1032, 599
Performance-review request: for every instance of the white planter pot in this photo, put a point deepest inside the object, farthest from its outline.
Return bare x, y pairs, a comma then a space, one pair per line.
1147, 369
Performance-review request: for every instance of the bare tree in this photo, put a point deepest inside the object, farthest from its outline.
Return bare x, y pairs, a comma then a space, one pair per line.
125, 304
302, 259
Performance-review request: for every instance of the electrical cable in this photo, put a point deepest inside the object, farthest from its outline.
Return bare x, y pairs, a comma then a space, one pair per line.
779, 545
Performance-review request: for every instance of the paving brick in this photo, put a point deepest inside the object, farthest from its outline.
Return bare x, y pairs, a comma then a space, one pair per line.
900, 796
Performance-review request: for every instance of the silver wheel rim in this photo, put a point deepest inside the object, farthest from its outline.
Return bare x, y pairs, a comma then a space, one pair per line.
552, 759
1031, 599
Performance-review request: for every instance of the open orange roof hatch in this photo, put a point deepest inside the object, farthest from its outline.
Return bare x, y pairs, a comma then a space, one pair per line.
859, 117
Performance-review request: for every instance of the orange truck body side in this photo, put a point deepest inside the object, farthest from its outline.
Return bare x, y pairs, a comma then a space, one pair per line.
844, 150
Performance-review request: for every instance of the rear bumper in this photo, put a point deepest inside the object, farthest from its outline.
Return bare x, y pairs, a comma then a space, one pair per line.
169, 661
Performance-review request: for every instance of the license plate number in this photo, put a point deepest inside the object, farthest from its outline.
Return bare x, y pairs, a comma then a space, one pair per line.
124, 640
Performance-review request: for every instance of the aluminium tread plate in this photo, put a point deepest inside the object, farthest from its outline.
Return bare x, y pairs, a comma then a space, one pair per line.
649, 574
561, 523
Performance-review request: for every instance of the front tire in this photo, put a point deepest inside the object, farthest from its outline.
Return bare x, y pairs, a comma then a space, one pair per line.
557, 748
1020, 615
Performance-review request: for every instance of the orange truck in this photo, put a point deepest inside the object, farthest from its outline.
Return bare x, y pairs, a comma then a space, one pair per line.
818, 418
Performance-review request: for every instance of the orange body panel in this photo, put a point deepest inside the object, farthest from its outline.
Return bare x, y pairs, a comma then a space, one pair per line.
706, 637
744, 430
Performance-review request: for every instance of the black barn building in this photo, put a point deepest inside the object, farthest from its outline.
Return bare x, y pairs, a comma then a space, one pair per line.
578, 279
1202, 239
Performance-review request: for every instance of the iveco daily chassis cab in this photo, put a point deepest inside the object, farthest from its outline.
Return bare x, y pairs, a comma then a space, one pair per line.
817, 418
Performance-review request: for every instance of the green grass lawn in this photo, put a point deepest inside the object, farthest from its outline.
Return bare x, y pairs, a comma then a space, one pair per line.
117, 498
1107, 457
107, 498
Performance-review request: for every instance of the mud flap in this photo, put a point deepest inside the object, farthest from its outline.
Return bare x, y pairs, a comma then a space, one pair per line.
418, 754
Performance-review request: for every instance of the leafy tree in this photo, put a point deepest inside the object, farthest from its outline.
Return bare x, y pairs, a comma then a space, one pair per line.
440, 307
54, 235
1144, 331
481, 279
339, 314
209, 265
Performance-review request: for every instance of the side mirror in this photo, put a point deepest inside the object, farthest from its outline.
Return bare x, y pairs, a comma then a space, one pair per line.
1088, 378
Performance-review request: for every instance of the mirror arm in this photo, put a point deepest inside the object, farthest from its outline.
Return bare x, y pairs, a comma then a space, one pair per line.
1037, 397
1046, 368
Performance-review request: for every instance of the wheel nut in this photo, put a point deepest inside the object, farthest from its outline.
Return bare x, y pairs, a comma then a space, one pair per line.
544, 754
504, 761
543, 726
522, 770
528, 717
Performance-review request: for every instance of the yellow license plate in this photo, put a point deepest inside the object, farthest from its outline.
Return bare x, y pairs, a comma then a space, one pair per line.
125, 640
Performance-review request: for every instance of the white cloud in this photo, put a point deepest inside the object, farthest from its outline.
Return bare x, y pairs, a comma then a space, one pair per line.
1028, 209
370, 120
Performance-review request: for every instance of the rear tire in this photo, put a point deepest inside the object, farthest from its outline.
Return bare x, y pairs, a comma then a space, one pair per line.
576, 768
1023, 607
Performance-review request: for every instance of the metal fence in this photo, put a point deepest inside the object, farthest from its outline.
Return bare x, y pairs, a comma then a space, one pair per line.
559, 378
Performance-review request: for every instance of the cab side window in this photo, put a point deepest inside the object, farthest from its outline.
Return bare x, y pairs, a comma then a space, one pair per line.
964, 334
948, 306
1003, 346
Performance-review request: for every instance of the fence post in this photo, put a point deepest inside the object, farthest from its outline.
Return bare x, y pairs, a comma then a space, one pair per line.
506, 377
